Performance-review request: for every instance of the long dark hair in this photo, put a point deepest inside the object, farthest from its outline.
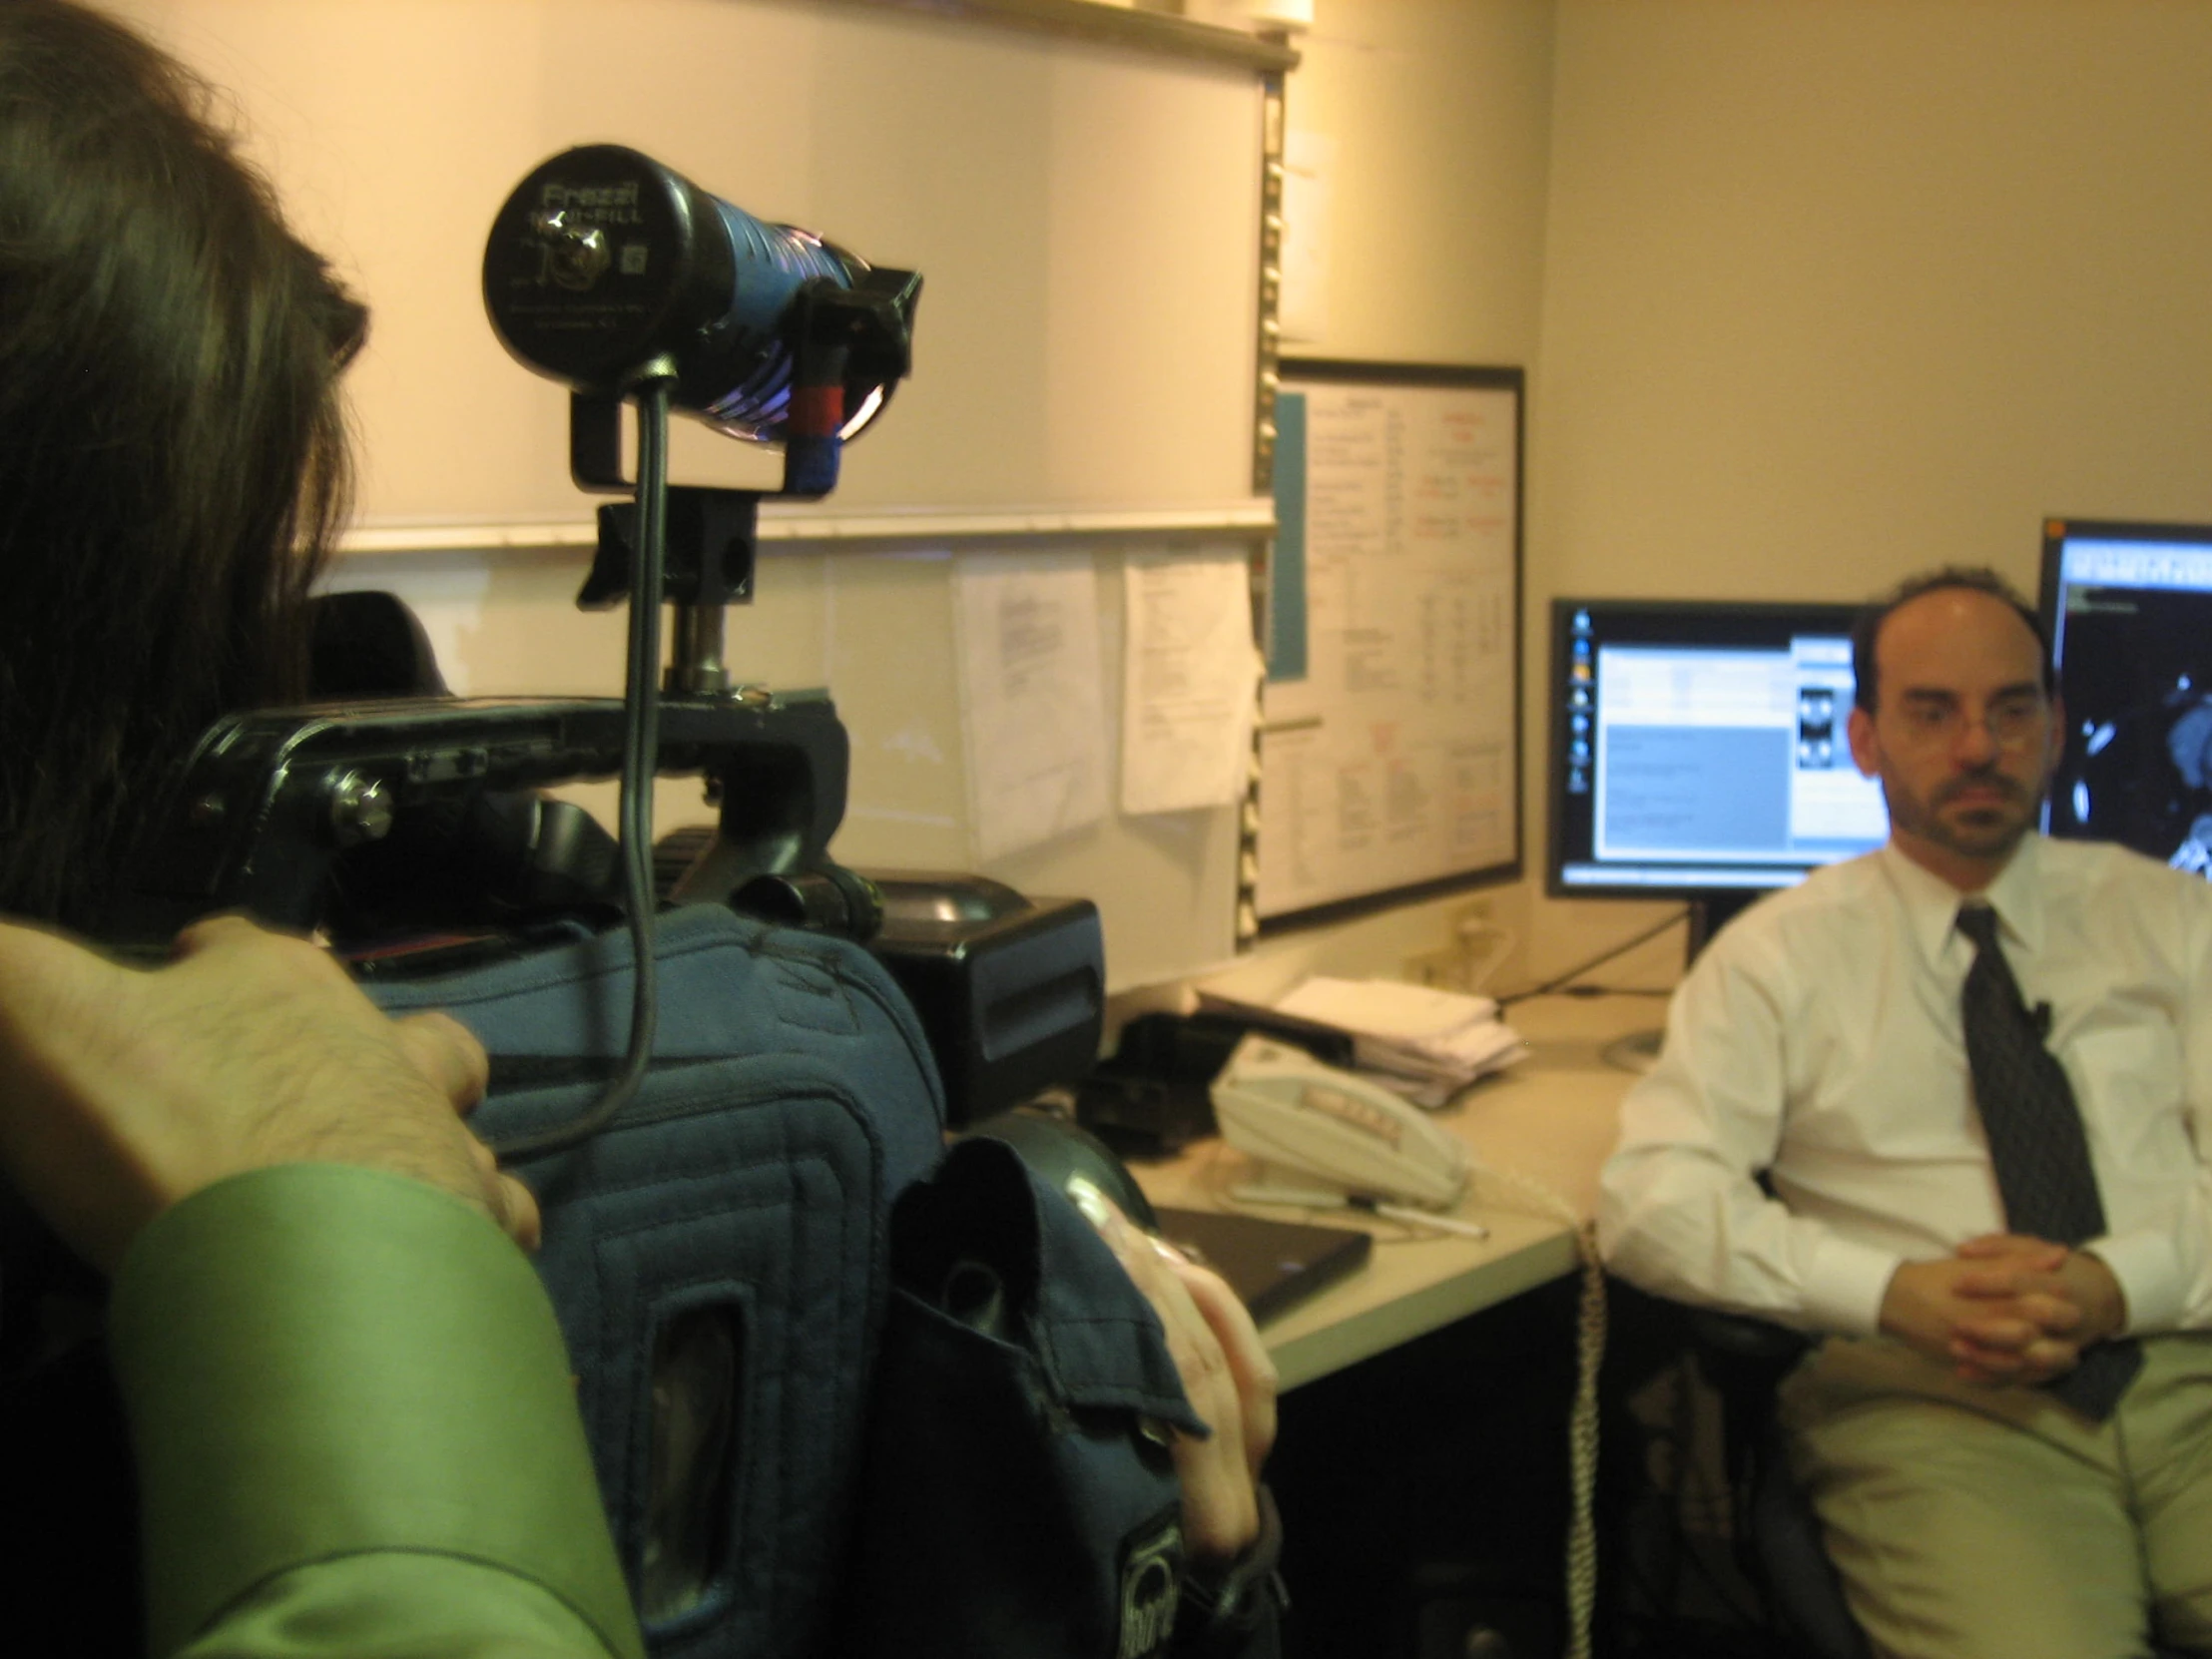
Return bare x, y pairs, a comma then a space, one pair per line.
172, 448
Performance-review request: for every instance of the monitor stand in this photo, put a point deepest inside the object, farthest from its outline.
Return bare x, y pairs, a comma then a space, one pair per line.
1638, 1051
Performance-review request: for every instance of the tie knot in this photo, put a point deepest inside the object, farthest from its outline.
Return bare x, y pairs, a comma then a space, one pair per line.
1979, 923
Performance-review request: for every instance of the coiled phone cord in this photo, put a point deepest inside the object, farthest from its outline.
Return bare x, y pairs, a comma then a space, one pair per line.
1582, 1417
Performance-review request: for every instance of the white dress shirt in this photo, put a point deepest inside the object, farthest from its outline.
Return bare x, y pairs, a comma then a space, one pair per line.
1818, 1040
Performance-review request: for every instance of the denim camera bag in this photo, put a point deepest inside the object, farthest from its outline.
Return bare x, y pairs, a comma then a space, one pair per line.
718, 1257
1021, 1499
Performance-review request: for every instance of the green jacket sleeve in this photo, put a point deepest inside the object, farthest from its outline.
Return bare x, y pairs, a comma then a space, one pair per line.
356, 1432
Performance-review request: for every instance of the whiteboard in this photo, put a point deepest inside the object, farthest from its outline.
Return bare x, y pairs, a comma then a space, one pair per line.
1085, 217
1389, 760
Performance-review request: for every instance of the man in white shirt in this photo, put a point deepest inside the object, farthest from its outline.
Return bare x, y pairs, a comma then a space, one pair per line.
2004, 1433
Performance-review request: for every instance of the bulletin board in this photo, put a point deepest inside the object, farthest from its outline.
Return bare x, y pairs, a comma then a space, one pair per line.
1389, 753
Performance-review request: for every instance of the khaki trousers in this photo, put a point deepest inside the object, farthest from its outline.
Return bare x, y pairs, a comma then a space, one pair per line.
1971, 1521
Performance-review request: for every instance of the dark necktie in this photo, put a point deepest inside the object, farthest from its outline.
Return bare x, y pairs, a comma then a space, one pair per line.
2037, 1142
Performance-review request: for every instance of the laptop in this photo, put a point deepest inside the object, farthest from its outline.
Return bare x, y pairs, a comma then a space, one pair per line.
1273, 1266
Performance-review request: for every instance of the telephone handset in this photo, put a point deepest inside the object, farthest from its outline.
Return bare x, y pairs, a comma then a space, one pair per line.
1280, 1105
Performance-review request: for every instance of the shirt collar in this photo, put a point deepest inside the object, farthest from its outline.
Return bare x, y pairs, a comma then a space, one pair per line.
1931, 903
2016, 893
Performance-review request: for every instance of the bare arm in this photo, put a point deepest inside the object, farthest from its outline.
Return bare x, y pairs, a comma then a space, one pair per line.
124, 1090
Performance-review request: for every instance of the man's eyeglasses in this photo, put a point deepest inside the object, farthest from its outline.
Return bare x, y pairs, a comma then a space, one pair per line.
2013, 720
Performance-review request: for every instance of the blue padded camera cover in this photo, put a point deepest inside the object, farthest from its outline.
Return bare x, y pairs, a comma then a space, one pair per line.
792, 1099
1022, 1499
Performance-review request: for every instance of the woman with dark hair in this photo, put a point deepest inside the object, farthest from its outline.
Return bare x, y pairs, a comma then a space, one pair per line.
350, 1405
173, 456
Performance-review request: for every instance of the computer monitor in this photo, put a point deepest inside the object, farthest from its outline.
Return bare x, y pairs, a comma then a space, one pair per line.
2129, 611
1698, 751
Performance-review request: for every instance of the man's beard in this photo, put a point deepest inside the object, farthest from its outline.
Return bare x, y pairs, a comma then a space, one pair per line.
1986, 831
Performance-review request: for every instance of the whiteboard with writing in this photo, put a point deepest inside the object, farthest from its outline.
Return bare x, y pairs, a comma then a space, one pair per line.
1390, 752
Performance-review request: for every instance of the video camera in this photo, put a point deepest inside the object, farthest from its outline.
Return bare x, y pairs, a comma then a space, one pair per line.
414, 831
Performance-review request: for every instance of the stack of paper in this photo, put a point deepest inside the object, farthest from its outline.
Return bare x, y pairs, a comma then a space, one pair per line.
1426, 1044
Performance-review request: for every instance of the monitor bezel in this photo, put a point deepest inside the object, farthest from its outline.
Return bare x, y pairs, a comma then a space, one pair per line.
1818, 616
2057, 531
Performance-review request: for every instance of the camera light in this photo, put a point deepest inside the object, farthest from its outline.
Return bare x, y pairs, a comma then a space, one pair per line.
605, 266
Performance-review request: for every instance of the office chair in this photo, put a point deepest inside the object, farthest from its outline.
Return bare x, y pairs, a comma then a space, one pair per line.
1778, 1539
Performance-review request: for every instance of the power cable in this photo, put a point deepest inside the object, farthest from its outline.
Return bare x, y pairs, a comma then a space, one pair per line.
1572, 974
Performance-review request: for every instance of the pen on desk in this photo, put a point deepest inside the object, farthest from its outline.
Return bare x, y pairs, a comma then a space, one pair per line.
1313, 1198
1420, 1217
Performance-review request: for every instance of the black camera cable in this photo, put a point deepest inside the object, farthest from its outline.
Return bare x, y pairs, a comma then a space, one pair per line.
641, 753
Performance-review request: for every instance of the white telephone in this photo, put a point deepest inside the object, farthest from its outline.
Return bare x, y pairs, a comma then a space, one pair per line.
1281, 1106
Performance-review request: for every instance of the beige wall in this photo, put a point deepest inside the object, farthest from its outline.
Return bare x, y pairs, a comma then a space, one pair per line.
1835, 290
1439, 113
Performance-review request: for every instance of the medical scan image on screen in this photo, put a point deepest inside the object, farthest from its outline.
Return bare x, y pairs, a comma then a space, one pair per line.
2129, 609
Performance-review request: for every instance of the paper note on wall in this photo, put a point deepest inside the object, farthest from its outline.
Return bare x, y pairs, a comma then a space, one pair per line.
1031, 703
1189, 675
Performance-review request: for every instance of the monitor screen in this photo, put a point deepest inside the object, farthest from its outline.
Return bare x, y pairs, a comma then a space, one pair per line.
1698, 750
2129, 612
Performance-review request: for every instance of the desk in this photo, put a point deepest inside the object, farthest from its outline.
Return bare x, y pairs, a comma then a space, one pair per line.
1552, 1118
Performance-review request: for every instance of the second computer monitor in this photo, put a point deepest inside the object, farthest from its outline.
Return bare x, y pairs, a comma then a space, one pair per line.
2129, 612
1699, 749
